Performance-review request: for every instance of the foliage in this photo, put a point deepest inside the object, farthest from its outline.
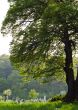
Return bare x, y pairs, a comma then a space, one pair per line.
14, 80
5, 66
1, 98
33, 94
38, 29
7, 92
57, 98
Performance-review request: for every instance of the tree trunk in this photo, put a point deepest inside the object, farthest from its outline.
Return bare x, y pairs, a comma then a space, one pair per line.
69, 71
76, 87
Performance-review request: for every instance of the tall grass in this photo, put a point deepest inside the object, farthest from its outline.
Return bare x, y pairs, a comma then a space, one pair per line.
38, 106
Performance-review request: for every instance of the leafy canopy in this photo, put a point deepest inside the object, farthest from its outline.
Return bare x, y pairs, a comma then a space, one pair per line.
38, 29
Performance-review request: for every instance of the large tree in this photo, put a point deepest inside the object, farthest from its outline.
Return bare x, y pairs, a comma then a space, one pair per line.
44, 32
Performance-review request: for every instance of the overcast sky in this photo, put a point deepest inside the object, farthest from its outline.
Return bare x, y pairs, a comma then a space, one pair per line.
4, 41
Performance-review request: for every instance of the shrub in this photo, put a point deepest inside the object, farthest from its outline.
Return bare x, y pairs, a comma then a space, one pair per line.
56, 98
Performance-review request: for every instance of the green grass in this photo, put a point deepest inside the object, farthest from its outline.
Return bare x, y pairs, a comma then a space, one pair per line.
38, 106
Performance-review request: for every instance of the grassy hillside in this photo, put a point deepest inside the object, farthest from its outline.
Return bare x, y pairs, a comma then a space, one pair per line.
38, 106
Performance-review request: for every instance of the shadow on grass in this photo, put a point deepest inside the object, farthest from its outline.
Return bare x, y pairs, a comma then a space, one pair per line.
75, 106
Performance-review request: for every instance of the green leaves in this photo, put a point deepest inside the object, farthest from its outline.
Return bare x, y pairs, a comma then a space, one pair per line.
38, 29
33, 94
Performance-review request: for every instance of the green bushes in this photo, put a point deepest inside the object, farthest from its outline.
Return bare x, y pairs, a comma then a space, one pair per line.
56, 98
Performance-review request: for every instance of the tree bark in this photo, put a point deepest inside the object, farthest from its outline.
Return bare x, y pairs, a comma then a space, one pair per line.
70, 96
76, 87
69, 72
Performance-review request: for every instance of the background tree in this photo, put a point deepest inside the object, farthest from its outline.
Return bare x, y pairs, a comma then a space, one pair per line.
44, 32
14, 80
5, 66
1, 98
7, 93
33, 94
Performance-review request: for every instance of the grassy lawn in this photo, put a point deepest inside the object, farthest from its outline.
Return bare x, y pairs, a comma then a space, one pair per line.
38, 106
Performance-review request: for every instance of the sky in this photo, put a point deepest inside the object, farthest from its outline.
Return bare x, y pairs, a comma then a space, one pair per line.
4, 41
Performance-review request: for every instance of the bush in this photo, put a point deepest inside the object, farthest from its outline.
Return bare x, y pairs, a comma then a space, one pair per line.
56, 98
